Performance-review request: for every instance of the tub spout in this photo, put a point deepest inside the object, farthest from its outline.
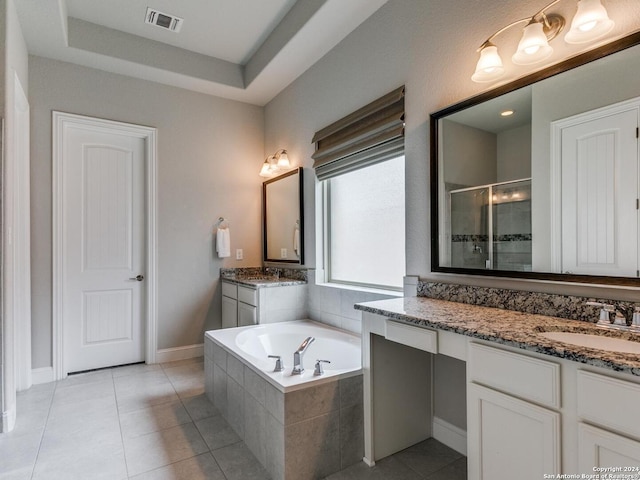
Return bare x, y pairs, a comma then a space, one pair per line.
298, 368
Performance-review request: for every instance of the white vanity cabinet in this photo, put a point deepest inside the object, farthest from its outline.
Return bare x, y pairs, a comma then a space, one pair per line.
244, 305
608, 427
239, 305
513, 429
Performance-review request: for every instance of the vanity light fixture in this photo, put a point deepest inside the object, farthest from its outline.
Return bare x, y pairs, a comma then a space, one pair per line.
276, 163
589, 23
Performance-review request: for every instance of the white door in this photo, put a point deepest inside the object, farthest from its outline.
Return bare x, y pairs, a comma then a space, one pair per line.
599, 196
103, 248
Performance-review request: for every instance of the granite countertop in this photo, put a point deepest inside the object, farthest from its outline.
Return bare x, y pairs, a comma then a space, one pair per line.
263, 281
510, 328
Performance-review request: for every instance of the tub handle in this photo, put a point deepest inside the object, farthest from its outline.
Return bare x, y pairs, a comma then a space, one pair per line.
318, 370
279, 366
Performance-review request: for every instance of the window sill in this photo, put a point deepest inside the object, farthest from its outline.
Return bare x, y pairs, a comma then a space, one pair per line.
363, 289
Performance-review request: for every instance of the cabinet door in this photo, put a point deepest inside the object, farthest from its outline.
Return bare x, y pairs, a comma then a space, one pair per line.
247, 314
229, 312
600, 448
509, 438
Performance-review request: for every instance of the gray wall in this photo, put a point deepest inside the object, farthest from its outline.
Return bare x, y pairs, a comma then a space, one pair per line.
514, 153
209, 154
431, 48
469, 155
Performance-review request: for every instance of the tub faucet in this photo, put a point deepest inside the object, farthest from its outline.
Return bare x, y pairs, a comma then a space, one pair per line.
298, 368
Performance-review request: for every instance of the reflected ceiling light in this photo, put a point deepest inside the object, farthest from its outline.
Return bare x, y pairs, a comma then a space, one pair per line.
590, 22
276, 163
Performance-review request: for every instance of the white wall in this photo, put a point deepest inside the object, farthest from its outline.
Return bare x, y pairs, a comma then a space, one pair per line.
13, 62
209, 154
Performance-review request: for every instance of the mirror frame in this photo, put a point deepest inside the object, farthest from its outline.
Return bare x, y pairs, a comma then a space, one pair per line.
569, 64
265, 257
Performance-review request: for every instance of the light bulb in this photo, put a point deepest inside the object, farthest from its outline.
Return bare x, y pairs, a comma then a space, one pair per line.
533, 47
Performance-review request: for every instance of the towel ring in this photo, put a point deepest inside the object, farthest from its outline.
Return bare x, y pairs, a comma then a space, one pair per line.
220, 222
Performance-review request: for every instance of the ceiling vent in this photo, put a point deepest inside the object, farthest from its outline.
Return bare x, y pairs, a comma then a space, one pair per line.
163, 20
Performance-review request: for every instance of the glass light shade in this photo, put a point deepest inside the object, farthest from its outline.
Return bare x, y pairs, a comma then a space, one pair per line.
489, 65
590, 22
533, 46
265, 171
283, 160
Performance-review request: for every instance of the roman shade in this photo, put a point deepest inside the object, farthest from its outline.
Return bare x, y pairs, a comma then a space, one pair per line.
370, 135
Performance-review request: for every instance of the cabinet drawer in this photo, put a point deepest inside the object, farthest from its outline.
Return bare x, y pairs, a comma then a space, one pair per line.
247, 295
520, 375
609, 402
229, 290
416, 337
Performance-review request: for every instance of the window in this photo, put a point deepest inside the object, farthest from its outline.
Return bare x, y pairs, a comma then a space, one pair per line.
365, 226
360, 161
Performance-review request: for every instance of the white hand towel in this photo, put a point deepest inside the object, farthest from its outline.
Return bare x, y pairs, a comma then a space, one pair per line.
223, 243
296, 241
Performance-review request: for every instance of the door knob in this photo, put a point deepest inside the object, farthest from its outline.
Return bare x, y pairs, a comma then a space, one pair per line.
139, 278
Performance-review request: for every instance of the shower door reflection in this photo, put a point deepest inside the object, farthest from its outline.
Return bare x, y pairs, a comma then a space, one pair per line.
491, 226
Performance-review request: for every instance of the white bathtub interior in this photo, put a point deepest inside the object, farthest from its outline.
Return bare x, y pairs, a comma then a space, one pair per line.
255, 343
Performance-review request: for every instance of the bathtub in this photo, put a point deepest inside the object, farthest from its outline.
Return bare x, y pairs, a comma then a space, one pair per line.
253, 345
288, 420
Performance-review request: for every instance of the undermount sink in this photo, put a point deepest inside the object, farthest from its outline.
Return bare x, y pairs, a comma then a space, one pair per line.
599, 342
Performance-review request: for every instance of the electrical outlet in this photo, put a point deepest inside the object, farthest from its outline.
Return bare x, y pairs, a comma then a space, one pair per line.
283, 253
239, 254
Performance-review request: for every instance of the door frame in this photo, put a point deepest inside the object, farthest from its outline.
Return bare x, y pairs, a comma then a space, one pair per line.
556, 166
61, 122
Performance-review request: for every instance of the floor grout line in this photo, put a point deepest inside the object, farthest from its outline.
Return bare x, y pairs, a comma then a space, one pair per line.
44, 430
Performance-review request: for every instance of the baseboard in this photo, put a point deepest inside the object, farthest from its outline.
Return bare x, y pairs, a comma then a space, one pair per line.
41, 375
8, 420
179, 353
452, 436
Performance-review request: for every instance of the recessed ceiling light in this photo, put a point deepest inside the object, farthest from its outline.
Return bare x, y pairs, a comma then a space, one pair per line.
506, 113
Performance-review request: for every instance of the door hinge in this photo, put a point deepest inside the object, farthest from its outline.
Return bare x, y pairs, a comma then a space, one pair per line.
637, 132
637, 203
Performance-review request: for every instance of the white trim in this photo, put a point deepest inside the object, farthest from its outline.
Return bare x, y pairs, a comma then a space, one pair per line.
21, 254
556, 168
450, 435
179, 353
8, 420
42, 375
60, 122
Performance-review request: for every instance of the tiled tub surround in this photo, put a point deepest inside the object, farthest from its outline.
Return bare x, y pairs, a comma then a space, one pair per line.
301, 432
563, 306
511, 328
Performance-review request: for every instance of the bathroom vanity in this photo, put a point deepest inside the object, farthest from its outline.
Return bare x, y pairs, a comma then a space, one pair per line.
249, 300
535, 406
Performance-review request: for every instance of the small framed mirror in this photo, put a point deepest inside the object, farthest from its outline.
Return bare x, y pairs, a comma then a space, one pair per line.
282, 217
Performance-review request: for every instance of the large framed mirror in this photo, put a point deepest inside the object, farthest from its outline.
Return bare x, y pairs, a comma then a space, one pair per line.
540, 178
282, 217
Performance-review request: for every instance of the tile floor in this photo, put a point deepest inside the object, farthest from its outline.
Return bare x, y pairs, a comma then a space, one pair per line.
153, 422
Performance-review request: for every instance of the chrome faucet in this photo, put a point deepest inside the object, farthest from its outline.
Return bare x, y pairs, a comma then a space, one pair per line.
298, 368
617, 314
